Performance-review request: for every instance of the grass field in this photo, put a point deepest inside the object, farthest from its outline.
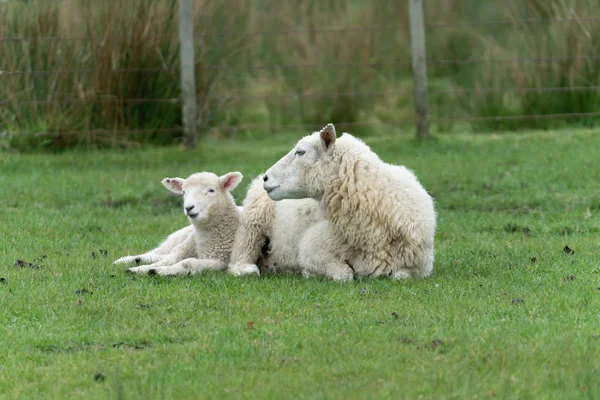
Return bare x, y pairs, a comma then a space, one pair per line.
508, 312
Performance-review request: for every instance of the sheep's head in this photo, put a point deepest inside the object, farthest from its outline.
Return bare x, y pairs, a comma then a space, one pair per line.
202, 192
296, 175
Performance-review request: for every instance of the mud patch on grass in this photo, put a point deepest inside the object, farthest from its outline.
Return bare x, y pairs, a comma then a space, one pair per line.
101, 252
568, 250
406, 340
512, 228
436, 345
579, 230
25, 264
141, 345
166, 203
122, 202
72, 348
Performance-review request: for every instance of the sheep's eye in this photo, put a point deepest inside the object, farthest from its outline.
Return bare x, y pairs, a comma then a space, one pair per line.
211, 190
300, 152
183, 192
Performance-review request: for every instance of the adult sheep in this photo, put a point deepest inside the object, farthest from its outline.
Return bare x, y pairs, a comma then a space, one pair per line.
377, 218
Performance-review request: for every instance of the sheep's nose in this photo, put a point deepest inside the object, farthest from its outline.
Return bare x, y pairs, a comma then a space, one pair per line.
265, 178
190, 208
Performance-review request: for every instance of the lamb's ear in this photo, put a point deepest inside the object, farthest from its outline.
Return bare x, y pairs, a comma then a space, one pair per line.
231, 180
327, 136
175, 185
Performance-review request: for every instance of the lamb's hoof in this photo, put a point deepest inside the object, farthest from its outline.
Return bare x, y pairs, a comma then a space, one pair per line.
246, 269
137, 270
124, 260
152, 272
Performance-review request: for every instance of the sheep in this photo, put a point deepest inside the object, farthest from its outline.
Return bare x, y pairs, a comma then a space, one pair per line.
207, 242
377, 219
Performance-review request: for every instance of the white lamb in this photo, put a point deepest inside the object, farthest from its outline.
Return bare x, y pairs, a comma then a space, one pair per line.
376, 218
207, 242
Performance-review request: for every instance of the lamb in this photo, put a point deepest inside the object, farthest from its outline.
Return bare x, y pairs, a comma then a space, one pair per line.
376, 218
204, 244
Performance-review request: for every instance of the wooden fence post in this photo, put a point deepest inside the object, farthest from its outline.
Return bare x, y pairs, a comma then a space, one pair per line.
419, 64
188, 77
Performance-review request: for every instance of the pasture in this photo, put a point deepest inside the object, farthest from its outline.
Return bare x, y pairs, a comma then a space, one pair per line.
511, 311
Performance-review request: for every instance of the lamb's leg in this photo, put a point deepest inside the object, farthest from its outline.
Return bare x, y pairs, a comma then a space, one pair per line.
162, 250
189, 266
180, 252
319, 254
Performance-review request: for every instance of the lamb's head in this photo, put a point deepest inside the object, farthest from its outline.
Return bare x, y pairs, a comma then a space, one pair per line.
203, 193
299, 174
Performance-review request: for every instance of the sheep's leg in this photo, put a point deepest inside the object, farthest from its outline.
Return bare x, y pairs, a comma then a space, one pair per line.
189, 266
318, 254
247, 247
253, 230
414, 262
162, 250
402, 273
180, 252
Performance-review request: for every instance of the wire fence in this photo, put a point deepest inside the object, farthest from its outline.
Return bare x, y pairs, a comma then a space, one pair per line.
537, 94
545, 21
302, 66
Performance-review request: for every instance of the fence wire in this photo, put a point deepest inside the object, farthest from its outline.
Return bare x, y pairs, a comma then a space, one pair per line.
455, 92
545, 21
283, 127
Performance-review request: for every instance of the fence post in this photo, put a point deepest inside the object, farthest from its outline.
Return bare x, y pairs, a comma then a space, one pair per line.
419, 64
188, 79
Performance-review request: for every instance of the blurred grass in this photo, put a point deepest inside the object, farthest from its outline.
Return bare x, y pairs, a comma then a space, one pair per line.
506, 314
300, 68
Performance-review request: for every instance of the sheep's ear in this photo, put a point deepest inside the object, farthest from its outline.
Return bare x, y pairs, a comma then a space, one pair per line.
327, 136
175, 185
231, 180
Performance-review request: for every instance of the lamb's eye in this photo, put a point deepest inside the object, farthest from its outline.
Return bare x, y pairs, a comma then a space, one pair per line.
211, 190
183, 192
300, 152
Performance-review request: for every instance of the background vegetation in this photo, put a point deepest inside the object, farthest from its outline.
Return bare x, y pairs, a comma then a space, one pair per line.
268, 63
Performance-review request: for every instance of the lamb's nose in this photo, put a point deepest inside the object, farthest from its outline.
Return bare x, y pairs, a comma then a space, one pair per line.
265, 178
190, 208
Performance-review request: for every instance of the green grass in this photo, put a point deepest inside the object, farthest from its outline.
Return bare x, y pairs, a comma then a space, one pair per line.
507, 312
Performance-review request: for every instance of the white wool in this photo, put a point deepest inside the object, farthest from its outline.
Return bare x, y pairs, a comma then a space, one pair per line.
375, 218
282, 223
207, 242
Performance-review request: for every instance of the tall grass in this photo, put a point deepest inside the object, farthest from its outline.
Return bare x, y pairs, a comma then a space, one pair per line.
128, 49
109, 57
546, 55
